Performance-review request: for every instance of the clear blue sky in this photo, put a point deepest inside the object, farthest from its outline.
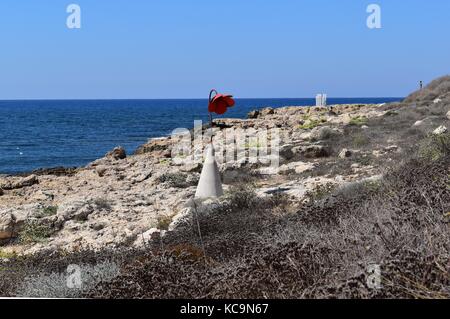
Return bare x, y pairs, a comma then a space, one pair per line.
251, 48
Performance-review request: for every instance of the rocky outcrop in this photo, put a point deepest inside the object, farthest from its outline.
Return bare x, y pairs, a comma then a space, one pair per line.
440, 130
161, 146
12, 220
253, 114
345, 153
316, 151
323, 133
117, 153
56, 171
6, 226
10, 183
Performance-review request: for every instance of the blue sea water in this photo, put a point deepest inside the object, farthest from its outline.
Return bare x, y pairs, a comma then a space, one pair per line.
45, 134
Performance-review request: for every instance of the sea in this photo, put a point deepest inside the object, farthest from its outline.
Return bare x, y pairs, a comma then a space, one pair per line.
37, 134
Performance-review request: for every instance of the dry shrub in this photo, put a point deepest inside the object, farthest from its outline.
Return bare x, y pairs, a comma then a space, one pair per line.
321, 252
42, 274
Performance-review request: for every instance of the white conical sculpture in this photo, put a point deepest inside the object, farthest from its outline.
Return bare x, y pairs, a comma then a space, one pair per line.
210, 184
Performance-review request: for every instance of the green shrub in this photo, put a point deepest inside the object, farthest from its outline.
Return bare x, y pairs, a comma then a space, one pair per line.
241, 197
391, 113
359, 121
435, 147
164, 161
35, 232
48, 211
320, 192
364, 160
372, 185
310, 124
7, 255
164, 222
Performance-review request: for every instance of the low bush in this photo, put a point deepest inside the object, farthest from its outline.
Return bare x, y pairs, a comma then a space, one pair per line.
176, 180
49, 211
35, 232
163, 222
311, 123
359, 121
435, 147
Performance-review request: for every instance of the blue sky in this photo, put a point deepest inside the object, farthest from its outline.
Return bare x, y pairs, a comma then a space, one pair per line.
251, 48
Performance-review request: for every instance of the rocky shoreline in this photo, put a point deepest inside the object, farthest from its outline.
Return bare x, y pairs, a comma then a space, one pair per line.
120, 200
354, 187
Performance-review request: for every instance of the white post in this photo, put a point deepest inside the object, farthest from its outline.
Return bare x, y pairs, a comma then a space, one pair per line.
210, 184
319, 100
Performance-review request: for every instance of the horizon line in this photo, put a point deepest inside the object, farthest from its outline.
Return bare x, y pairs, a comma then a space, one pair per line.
204, 98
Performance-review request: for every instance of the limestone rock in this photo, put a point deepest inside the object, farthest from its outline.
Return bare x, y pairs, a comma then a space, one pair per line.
101, 170
253, 114
17, 183
391, 148
267, 111
440, 130
97, 226
269, 170
301, 167
191, 168
75, 210
158, 144
6, 226
13, 219
180, 217
345, 153
316, 151
295, 167
286, 151
323, 133
117, 153
229, 123
145, 238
